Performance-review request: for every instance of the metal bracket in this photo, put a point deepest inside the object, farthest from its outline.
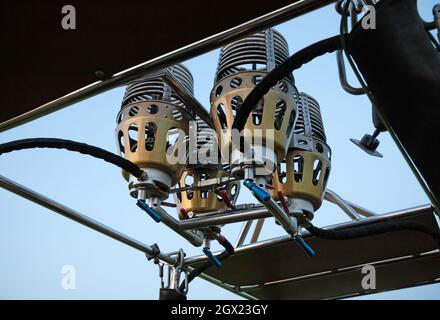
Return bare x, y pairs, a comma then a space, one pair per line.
175, 273
214, 184
153, 254
270, 50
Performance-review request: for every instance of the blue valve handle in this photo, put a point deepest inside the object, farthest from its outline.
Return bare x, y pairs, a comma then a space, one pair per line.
259, 193
212, 257
307, 249
153, 214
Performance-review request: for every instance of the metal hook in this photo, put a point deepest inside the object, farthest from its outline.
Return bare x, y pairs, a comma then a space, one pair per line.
343, 76
179, 271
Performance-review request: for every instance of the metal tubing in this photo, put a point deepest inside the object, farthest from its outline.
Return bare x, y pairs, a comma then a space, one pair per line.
382, 217
286, 221
362, 211
195, 238
243, 233
78, 217
257, 230
336, 199
219, 218
343, 76
222, 218
259, 212
188, 98
213, 42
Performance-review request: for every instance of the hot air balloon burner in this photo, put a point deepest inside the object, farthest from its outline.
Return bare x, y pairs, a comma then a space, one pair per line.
201, 200
152, 131
302, 176
198, 194
242, 65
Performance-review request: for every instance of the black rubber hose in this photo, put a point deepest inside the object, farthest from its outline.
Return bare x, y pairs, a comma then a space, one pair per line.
283, 70
373, 229
72, 146
229, 250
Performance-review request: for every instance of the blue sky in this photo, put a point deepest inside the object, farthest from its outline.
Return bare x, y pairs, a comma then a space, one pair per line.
36, 243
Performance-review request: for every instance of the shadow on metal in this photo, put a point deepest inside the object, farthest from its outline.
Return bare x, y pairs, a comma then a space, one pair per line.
278, 269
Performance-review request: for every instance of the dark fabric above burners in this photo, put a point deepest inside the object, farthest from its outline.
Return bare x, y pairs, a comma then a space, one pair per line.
40, 61
402, 69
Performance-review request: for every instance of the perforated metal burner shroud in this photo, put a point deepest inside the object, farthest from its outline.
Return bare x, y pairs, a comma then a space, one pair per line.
278, 268
153, 124
242, 65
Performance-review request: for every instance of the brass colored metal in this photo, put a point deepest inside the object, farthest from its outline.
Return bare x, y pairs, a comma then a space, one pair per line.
204, 200
153, 129
304, 184
242, 65
144, 136
278, 103
302, 176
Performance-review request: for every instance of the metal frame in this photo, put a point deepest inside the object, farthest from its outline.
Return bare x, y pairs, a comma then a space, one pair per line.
381, 217
122, 78
285, 244
217, 218
71, 214
353, 211
249, 213
190, 100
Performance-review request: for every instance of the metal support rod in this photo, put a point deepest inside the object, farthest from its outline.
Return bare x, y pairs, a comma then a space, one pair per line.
188, 98
343, 76
360, 210
257, 230
211, 184
260, 212
382, 217
353, 13
78, 217
243, 233
288, 223
194, 237
341, 203
226, 217
213, 42
218, 218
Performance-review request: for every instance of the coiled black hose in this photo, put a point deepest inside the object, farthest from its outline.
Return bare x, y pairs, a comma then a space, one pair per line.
283, 70
229, 250
373, 229
73, 146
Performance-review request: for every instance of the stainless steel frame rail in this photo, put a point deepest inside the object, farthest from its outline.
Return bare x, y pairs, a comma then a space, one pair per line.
255, 213
149, 67
289, 12
71, 214
244, 215
382, 217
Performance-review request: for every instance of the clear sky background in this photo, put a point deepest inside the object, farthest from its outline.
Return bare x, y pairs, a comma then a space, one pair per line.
35, 243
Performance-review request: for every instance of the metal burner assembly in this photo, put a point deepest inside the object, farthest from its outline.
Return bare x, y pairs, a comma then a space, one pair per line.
258, 153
